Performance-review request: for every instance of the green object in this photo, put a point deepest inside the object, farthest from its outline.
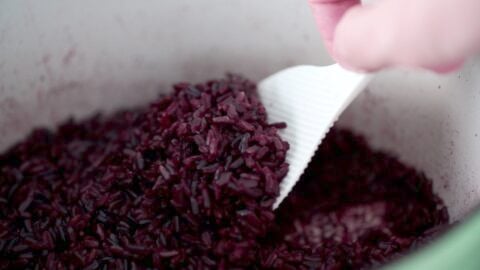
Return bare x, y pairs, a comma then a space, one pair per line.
458, 249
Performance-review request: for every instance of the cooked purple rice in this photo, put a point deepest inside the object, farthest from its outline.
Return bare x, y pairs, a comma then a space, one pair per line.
189, 182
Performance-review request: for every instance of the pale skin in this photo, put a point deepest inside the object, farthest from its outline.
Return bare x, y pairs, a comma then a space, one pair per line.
438, 35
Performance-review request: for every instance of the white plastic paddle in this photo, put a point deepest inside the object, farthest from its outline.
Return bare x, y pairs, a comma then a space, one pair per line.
309, 99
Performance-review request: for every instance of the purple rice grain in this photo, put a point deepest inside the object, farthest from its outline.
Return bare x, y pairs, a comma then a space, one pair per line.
189, 182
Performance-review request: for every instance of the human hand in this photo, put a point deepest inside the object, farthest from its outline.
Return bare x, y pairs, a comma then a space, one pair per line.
433, 34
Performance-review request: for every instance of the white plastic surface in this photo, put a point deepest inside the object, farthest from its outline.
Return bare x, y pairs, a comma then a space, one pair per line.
309, 99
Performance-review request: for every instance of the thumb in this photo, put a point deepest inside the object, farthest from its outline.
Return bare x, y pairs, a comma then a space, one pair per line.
327, 14
432, 34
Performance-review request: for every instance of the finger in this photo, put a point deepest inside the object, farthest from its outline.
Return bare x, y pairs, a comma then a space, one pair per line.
327, 14
433, 34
